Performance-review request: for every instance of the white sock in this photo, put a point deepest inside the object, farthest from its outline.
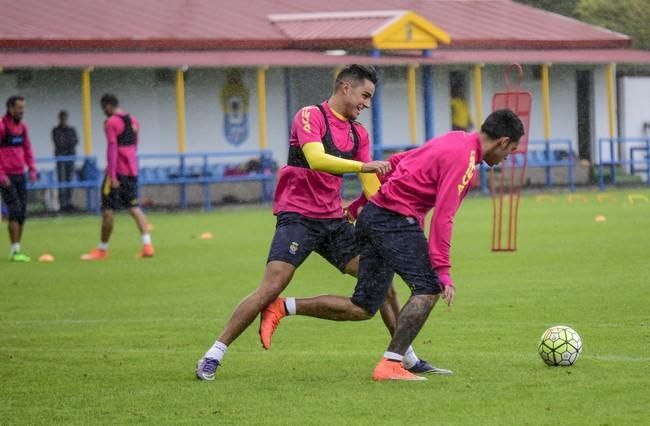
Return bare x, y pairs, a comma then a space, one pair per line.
393, 356
217, 351
410, 359
290, 304
146, 239
15, 248
102, 246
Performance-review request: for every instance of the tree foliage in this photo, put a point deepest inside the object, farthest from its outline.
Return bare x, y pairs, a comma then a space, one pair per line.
630, 17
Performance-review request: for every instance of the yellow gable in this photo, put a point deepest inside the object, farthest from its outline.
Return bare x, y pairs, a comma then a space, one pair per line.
409, 31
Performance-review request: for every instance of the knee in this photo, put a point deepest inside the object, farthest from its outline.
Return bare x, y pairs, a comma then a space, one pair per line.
276, 278
359, 313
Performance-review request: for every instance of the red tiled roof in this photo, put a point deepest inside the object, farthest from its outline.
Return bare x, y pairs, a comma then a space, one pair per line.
254, 58
227, 24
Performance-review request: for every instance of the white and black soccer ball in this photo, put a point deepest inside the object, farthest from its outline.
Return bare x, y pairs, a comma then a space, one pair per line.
560, 345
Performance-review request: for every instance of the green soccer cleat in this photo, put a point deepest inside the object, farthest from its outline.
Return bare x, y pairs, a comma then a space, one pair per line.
19, 257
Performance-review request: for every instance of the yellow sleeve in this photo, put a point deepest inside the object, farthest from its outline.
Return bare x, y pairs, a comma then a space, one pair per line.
322, 162
369, 183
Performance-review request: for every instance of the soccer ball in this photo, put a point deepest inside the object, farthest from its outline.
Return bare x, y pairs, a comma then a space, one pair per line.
560, 345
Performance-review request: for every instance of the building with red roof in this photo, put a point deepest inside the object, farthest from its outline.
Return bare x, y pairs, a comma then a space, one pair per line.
171, 63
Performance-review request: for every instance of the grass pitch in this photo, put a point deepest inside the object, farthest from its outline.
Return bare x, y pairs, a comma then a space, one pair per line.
116, 342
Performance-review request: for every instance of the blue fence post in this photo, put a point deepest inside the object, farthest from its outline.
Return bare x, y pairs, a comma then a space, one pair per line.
601, 177
207, 205
612, 162
483, 176
427, 83
377, 150
547, 159
181, 173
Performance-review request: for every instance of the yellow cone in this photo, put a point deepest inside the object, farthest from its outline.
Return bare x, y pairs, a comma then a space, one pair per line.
46, 257
600, 218
206, 236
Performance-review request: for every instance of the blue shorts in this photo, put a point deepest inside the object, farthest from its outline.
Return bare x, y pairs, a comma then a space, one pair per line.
391, 243
296, 236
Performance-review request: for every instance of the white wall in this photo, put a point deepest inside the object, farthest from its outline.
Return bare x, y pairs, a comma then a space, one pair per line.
152, 100
635, 106
635, 115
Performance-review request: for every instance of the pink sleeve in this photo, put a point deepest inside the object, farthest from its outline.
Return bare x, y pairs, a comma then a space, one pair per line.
448, 198
111, 149
309, 125
29, 154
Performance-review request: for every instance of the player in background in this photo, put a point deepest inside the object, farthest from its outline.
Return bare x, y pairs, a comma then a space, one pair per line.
436, 176
15, 155
120, 187
325, 143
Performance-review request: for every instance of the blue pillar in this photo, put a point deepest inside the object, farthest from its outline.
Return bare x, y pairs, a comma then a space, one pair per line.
377, 143
427, 86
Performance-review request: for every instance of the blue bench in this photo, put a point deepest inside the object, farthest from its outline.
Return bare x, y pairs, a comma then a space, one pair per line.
206, 168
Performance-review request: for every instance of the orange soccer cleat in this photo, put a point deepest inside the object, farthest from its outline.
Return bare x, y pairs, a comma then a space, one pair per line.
270, 319
147, 251
95, 254
392, 370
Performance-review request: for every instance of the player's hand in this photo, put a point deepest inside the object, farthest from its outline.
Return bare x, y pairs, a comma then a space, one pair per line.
348, 215
33, 176
381, 167
115, 183
4, 181
449, 294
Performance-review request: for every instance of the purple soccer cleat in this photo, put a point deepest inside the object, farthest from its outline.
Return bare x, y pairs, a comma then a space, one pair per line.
206, 368
423, 367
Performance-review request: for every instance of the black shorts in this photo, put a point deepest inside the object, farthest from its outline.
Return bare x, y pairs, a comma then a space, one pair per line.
126, 196
15, 197
391, 243
296, 236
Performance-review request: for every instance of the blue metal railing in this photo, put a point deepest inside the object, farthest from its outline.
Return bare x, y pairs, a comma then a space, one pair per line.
615, 145
86, 177
203, 168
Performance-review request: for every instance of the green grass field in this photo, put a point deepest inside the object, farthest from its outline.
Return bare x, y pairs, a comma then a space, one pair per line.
116, 342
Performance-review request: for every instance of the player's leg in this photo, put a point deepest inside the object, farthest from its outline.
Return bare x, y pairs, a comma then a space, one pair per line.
291, 245
129, 198
338, 245
110, 202
365, 302
277, 276
408, 249
16, 199
141, 221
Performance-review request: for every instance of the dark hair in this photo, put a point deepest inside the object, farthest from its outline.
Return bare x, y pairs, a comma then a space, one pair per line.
63, 113
13, 99
503, 122
109, 99
356, 73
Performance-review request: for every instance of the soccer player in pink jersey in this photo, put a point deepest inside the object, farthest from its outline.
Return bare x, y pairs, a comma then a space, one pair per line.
325, 142
120, 187
15, 155
436, 176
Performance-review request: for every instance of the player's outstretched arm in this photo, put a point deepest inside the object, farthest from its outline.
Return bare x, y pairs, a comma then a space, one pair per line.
319, 160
